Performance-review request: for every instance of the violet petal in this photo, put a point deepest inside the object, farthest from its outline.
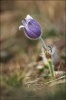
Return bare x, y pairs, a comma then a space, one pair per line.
34, 29
30, 34
34, 23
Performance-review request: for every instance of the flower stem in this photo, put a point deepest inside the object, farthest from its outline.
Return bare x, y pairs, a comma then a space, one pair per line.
51, 69
44, 45
50, 65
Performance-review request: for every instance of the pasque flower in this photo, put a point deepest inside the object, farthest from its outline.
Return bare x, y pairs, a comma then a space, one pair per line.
33, 30
31, 27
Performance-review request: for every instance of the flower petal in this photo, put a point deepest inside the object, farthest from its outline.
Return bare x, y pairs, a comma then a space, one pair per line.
21, 26
24, 23
34, 29
30, 34
28, 17
33, 22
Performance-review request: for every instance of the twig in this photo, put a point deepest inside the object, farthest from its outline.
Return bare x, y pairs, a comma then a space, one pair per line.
55, 80
31, 82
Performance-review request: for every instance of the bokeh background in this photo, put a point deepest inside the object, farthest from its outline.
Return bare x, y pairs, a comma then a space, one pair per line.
16, 49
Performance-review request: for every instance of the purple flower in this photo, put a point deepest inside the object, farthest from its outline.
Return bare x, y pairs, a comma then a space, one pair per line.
32, 28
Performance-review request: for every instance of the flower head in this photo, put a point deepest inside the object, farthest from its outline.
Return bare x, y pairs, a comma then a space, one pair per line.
32, 28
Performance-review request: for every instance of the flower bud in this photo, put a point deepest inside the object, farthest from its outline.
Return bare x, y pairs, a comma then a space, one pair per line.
32, 28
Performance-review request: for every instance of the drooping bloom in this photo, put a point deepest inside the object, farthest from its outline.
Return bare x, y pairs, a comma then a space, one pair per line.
31, 27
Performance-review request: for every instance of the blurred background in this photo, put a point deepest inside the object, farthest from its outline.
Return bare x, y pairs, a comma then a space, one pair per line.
16, 49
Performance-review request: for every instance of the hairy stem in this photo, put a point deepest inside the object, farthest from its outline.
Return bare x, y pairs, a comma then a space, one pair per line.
51, 68
44, 45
